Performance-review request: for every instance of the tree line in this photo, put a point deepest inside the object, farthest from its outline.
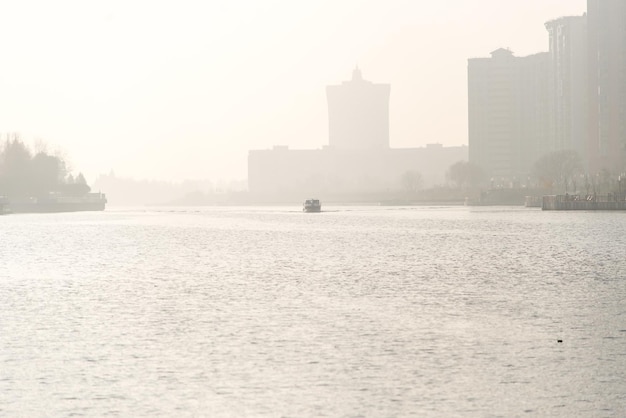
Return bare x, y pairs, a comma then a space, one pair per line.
557, 171
24, 173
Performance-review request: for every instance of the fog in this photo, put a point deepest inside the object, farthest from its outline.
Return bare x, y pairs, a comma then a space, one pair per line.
183, 90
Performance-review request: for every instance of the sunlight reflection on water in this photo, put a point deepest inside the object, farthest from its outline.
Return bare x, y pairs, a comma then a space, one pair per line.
373, 311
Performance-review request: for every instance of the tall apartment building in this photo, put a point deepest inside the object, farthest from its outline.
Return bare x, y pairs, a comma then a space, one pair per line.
567, 86
606, 28
358, 114
507, 113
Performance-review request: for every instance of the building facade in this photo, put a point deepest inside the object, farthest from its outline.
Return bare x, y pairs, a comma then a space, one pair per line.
327, 171
568, 104
358, 161
507, 114
358, 114
606, 26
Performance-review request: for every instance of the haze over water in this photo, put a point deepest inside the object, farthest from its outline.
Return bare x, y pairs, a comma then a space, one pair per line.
356, 311
183, 90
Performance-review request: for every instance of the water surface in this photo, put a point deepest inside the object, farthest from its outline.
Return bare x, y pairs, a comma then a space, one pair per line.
355, 311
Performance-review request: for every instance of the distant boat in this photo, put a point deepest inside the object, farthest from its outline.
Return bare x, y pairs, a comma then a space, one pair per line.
312, 205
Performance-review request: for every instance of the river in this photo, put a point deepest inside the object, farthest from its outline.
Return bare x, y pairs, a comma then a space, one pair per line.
355, 311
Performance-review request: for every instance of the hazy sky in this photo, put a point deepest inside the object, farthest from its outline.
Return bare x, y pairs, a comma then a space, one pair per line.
183, 89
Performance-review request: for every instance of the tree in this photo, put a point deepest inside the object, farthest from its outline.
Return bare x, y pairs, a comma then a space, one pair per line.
412, 181
15, 168
48, 173
22, 174
80, 184
464, 174
558, 168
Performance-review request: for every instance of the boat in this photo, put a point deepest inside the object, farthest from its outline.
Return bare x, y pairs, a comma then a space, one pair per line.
312, 205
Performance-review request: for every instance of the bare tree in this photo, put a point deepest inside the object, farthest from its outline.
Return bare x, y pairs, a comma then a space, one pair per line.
412, 181
465, 174
558, 168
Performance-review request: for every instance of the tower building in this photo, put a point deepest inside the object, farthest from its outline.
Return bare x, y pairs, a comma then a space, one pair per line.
358, 114
507, 113
606, 25
568, 84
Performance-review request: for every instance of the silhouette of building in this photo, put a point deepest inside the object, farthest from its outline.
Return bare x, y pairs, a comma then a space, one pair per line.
568, 84
512, 121
507, 113
327, 171
358, 114
358, 161
606, 28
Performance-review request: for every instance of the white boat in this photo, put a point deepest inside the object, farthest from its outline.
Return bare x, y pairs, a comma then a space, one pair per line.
312, 205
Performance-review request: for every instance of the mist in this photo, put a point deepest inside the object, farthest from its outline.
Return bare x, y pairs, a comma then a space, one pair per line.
176, 91
258, 208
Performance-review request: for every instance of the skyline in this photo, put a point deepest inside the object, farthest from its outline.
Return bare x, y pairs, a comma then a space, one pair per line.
174, 91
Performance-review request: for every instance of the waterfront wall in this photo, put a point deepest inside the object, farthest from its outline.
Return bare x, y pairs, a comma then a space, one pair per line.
590, 202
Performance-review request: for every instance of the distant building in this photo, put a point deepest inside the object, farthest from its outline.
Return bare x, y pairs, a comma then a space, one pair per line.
358, 159
568, 84
606, 28
342, 172
358, 114
534, 109
507, 113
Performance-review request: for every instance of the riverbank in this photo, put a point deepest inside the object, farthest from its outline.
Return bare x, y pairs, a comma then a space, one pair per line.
587, 202
54, 202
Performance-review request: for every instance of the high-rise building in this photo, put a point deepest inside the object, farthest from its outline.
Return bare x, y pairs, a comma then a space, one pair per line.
568, 107
534, 113
358, 114
507, 113
606, 28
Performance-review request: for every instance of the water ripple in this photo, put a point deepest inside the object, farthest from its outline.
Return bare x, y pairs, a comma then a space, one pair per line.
271, 312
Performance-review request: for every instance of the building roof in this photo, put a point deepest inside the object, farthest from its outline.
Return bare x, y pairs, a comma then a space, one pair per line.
502, 52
